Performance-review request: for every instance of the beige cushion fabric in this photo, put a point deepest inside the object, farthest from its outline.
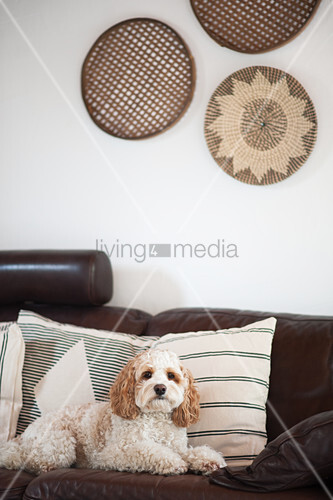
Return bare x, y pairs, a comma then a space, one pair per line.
11, 363
231, 368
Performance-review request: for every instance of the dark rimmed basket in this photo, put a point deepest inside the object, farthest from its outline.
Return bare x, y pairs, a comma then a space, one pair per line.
254, 26
138, 79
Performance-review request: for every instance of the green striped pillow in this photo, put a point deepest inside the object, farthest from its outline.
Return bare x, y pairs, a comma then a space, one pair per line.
11, 362
66, 364
231, 369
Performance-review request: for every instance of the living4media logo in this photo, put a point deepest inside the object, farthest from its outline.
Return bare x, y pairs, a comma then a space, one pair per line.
140, 252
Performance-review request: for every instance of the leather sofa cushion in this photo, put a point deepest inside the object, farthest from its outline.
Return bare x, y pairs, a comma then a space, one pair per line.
13, 484
84, 484
301, 456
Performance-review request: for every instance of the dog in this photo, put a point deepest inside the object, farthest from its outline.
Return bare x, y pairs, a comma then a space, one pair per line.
141, 429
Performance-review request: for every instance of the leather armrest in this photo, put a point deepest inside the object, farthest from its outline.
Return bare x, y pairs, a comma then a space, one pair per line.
71, 277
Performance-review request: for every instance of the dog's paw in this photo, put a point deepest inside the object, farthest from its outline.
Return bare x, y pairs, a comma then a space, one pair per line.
171, 468
209, 467
205, 460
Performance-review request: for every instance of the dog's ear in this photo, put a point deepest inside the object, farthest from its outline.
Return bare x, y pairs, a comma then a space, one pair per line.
188, 412
122, 393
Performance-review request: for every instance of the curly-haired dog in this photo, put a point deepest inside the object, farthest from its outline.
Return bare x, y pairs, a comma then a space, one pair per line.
142, 428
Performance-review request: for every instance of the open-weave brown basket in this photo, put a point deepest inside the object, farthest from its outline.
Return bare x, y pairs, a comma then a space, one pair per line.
254, 26
138, 79
260, 125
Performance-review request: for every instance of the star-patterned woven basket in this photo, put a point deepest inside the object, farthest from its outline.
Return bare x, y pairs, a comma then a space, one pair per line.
138, 79
260, 125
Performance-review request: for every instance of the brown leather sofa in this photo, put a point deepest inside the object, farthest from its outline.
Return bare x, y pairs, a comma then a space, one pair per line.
71, 286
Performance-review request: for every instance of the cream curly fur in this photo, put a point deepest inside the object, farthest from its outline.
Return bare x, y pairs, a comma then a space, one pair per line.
142, 428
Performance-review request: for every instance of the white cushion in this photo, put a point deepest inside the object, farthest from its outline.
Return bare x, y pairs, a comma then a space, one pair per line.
11, 363
232, 369
66, 364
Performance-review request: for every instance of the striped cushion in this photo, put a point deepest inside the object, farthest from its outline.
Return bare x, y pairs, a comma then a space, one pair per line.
66, 364
11, 362
231, 368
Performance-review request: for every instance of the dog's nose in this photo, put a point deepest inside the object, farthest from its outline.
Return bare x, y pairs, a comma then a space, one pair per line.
160, 389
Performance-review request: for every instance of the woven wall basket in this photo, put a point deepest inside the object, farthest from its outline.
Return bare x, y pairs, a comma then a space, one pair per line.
138, 79
253, 26
260, 125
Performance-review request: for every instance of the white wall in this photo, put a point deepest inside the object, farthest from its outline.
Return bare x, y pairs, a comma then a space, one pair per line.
65, 183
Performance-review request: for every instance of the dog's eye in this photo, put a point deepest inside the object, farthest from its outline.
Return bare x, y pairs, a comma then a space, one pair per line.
171, 376
147, 375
